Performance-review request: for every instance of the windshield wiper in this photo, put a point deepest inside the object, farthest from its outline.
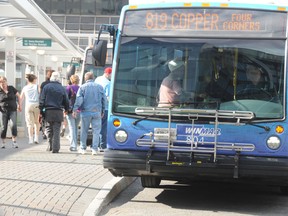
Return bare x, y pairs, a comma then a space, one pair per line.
266, 128
141, 119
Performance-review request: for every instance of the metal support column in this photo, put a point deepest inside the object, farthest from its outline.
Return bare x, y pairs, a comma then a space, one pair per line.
10, 59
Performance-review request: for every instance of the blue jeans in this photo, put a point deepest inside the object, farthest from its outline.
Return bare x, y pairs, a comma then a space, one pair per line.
73, 124
103, 141
95, 121
10, 115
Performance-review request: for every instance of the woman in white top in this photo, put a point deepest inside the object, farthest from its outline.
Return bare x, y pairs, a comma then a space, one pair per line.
31, 94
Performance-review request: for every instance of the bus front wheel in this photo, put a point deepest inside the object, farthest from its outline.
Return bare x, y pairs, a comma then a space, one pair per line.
284, 190
150, 181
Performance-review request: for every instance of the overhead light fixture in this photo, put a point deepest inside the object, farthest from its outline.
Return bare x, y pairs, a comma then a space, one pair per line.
9, 32
33, 47
40, 52
54, 58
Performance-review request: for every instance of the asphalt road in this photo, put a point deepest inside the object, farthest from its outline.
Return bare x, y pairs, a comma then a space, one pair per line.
199, 198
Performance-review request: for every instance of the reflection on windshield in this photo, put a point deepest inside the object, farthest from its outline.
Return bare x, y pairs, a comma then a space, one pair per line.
201, 74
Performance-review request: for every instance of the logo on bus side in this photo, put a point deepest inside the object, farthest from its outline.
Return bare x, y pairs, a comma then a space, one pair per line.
199, 130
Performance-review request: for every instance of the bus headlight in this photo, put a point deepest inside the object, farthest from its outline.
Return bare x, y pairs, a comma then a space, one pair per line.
273, 142
121, 136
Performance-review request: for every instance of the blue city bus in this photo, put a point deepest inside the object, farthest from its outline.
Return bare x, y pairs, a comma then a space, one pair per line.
221, 127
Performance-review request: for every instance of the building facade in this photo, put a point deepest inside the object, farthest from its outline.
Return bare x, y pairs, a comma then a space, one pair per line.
80, 20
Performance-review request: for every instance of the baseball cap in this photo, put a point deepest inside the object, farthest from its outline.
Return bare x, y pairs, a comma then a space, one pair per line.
108, 70
175, 64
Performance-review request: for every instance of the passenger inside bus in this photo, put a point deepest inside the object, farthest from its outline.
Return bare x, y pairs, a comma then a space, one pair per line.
257, 85
171, 92
221, 82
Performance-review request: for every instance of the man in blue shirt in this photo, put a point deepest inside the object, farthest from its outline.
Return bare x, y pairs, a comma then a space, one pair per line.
90, 99
104, 81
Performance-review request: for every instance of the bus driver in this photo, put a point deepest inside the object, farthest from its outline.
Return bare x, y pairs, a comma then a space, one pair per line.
256, 87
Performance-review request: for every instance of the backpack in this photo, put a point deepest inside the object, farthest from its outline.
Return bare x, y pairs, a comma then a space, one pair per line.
72, 99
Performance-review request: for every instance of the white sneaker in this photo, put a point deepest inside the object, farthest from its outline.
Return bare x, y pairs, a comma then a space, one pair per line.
94, 152
3, 145
30, 141
36, 140
82, 151
14, 145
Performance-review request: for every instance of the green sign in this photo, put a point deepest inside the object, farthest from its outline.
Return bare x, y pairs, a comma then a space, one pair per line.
37, 42
66, 64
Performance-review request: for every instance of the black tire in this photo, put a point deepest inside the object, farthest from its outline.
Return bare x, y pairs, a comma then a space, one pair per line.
284, 190
150, 181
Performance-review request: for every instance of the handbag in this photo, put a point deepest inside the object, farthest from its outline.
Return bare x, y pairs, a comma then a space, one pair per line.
72, 99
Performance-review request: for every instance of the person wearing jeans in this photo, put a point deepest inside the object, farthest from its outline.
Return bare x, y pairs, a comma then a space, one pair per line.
73, 123
104, 81
91, 100
12, 116
95, 120
8, 108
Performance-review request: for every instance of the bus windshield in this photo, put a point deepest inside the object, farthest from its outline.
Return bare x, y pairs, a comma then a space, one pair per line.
215, 74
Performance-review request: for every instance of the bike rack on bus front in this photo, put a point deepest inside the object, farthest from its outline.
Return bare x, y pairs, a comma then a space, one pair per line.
167, 137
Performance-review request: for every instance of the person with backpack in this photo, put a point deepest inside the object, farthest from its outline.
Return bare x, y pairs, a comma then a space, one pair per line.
73, 123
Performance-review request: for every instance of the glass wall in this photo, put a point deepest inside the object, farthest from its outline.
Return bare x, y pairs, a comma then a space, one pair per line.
82, 7
76, 17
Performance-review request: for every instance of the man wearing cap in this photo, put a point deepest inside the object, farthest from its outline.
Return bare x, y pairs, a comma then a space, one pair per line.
170, 90
104, 81
54, 100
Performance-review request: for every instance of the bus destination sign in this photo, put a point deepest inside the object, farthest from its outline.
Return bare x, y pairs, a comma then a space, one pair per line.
203, 22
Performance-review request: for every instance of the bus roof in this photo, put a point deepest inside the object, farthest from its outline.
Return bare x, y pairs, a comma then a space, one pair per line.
254, 4
270, 2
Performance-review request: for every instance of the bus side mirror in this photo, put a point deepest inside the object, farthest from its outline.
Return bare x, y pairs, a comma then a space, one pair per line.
99, 52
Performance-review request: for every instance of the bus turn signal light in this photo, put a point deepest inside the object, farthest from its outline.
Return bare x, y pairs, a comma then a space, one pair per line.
116, 123
279, 129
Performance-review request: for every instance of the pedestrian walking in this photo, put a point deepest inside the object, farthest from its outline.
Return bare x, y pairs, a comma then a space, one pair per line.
90, 99
8, 108
30, 93
104, 81
70, 71
73, 123
42, 120
53, 101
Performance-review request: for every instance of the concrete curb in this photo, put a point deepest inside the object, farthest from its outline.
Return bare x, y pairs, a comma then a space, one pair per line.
108, 192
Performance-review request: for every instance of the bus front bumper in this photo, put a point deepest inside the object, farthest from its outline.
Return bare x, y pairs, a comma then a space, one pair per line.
185, 166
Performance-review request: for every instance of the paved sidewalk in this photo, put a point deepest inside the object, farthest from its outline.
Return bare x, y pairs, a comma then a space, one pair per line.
36, 182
